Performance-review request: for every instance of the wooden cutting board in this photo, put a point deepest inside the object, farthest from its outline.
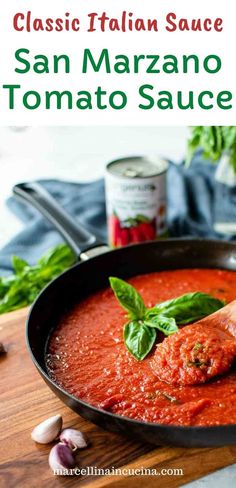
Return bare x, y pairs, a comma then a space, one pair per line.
25, 400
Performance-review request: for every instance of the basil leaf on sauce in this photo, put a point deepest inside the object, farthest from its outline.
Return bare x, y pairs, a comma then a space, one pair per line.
128, 297
139, 338
187, 308
167, 325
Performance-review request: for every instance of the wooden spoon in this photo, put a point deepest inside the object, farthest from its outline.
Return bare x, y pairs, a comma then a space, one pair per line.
200, 351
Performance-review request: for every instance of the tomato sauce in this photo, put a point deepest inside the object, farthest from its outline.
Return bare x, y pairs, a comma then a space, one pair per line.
87, 356
194, 355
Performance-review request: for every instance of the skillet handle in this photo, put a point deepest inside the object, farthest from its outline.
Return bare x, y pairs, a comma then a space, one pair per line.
77, 237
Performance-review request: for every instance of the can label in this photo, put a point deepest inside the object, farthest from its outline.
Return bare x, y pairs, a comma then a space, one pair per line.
136, 208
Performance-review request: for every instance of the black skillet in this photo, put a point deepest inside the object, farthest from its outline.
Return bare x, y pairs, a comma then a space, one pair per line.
91, 273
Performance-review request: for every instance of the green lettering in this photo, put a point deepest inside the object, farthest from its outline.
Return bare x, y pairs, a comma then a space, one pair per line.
99, 93
84, 101
152, 66
22, 60
33, 105
146, 96
88, 57
112, 97
58, 59
189, 104
58, 96
165, 100
122, 66
223, 98
170, 66
11, 90
42, 65
218, 64
201, 97
137, 59
186, 60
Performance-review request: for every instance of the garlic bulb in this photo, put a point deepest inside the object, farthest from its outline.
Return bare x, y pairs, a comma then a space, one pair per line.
48, 430
74, 439
61, 457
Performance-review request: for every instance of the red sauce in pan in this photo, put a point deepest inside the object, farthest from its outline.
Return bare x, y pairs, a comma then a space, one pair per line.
88, 358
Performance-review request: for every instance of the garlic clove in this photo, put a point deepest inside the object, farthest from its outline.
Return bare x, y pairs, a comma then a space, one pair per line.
61, 457
48, 430
74, 439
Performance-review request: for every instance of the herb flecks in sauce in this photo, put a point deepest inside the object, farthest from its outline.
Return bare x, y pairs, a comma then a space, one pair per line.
162, 394
198, 364
197, 346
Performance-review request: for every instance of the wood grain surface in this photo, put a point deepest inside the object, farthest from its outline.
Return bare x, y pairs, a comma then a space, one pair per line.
26, 401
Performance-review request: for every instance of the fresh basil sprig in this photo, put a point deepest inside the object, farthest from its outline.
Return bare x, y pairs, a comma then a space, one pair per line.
22, 287
140, 330
214, 141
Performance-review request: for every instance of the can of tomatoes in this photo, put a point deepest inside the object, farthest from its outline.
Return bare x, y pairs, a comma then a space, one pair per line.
136, 200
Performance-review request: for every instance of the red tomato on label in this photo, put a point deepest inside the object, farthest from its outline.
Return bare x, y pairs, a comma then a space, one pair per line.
124, 237
147, 231
113, 229
135, 234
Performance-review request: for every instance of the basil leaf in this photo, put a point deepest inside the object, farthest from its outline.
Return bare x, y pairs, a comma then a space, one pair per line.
214, 141
60, 256
5, 284
167, 325
129, 298
21, 288
18, 264
187, 308
139, 339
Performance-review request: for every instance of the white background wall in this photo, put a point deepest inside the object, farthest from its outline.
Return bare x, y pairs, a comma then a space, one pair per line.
74, 153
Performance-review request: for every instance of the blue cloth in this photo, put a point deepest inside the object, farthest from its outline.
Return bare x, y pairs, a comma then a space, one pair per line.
196, 201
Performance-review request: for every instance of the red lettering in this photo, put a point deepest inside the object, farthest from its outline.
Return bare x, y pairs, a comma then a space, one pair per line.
196, 25
49, 25
28, 19
75, 25
18, 17
92, 19
218, 25
59, 25
183, 25
169, 19
103, 19
37, 25
207, 25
